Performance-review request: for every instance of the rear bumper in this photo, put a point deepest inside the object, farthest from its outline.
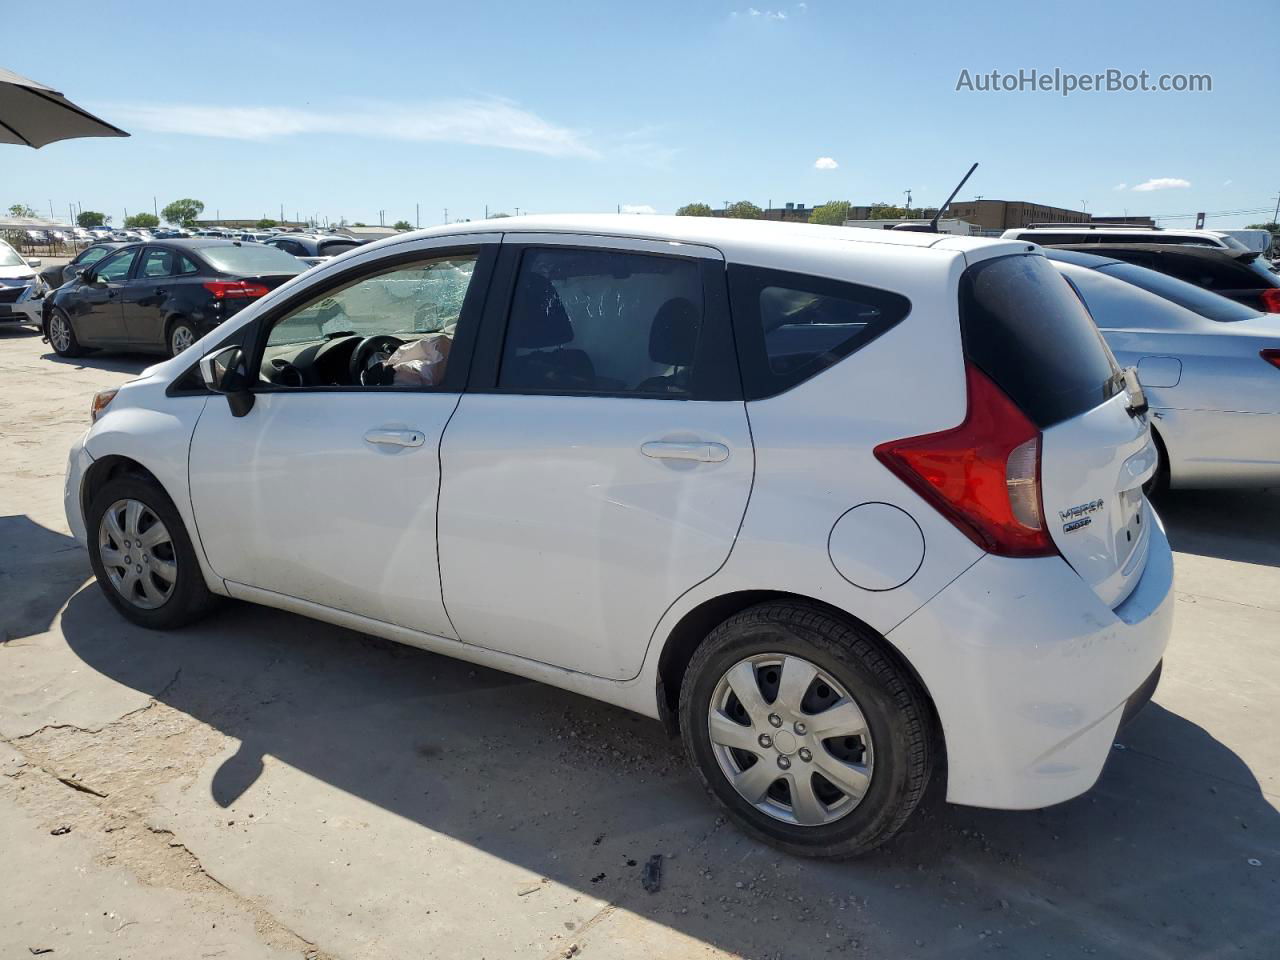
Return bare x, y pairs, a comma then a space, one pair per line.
1031, 673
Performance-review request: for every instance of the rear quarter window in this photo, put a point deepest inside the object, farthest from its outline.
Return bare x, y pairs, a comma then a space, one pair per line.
792, 326
1027, 329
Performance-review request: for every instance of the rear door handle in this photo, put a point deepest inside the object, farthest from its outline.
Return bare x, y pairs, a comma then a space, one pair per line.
706, 451
396, 438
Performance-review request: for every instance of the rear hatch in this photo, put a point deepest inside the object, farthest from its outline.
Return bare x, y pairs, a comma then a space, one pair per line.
1027, 330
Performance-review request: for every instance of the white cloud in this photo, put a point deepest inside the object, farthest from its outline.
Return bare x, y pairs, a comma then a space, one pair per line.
1121, 186
489, 122
763, 14
1162, 183
1227, 183
637, 208
825, 163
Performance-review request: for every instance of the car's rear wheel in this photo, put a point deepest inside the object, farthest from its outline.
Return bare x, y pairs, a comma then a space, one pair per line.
181, 336
62, 336
142, 556
808, 733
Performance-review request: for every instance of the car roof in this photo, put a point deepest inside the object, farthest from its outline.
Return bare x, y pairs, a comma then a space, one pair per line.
1074, 254
1168, 249
710, 231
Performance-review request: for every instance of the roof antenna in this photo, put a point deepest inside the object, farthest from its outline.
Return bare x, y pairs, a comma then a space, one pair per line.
933, 224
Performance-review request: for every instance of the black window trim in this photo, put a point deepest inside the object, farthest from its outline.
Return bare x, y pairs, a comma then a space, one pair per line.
135, 249
716, 375
746, 282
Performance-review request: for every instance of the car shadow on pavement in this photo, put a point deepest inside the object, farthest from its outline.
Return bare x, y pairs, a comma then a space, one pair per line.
115, 362
1242, 525
1154, 862
39, 569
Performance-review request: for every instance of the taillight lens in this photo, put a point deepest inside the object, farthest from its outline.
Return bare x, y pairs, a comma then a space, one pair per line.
984, 475
1271, 300
229, 289
1272, 356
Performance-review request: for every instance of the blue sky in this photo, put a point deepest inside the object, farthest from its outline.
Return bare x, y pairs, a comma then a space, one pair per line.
345, 109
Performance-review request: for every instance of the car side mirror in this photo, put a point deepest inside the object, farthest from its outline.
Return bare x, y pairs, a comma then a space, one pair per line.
34, 262
224, 372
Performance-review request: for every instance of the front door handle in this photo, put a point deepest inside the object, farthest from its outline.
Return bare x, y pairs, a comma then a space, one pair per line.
396, 438
705, 451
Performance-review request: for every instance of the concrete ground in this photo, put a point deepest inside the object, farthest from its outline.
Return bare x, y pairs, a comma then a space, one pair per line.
261, 785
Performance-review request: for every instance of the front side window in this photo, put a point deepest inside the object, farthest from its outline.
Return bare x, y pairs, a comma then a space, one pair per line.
603, 322
92, 256
392, 328
792, 326
116, 268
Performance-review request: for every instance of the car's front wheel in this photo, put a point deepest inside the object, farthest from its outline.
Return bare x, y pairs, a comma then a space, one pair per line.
62, 336
812, 738
142, 556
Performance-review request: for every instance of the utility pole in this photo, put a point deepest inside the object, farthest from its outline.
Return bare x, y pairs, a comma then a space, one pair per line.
155, 208
486, 211
417, 216
446, 214
517, 211
908, 193
1275, 218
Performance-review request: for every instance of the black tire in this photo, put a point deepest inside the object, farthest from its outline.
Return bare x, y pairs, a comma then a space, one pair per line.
896, 710
190, 598
1158, 485
175, 326
70, 346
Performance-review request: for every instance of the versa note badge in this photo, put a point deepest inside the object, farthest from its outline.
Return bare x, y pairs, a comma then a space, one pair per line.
1073, 518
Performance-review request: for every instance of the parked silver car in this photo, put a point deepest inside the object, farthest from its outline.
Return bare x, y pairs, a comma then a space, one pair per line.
1210, 368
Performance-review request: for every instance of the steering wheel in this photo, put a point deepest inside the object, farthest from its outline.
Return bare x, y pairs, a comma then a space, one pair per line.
369, 356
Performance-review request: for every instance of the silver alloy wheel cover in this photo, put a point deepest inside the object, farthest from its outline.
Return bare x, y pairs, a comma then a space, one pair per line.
778, 720
137, 554
59, 333
181, 338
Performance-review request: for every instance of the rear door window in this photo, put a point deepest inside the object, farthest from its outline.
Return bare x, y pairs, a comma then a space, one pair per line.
607, 322
792, 326
1028, 331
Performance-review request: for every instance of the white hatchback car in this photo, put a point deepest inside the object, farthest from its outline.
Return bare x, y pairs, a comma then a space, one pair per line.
836, 505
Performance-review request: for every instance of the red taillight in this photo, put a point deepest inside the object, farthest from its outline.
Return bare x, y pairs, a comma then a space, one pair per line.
984, 475
226, 289
1271, 299
1272, 356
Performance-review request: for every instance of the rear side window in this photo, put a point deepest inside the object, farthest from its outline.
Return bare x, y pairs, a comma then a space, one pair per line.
604, 322
1028, 331
791, 326
332, 248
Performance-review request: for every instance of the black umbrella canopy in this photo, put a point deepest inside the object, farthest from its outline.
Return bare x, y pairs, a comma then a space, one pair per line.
34, 115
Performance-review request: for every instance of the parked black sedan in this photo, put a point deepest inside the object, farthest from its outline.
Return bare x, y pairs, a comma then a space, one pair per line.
163, 296
1244, 277
56, 276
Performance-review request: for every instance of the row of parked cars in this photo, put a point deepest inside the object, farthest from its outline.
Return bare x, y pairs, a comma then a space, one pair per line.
152, 295
845, 509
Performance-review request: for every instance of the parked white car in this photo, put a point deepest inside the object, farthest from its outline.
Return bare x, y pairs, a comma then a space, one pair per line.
830, 540
20, 287
1110, 233
1210, 368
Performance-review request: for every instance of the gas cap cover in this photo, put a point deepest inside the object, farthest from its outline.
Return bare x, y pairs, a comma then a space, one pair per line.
876, 546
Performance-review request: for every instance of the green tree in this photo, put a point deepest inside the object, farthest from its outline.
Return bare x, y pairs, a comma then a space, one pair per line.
359, 224
92, 218
265, 223
1272, 227
833, 213
694, 210
147, 220
498, 216
183, 212
403, 225
744, 210
21, 210
883, 211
